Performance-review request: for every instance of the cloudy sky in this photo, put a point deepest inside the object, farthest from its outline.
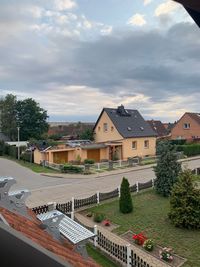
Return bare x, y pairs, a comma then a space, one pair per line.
75, 57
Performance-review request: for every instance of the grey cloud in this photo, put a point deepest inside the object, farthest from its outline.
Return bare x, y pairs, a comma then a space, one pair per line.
156, 63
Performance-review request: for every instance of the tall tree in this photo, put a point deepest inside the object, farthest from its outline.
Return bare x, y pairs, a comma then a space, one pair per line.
31, 118
87, 134
167, 169
8, 116
185, 202
125, 201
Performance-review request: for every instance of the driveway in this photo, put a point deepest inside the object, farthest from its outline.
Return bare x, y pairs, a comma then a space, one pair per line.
46, 189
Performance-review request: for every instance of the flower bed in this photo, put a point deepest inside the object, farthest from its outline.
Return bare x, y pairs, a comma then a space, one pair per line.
174, 260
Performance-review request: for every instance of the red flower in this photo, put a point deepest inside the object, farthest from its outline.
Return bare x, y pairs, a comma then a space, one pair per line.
139, 238
106, 223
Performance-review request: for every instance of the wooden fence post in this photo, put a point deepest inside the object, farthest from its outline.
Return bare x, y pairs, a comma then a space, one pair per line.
120, 163
137, 187
72, 212
153, 182
98, 166
95, 238
128, 255
98, 200
119, 191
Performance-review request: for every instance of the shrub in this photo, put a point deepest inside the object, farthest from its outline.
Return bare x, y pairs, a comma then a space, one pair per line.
139, 239
125, 201
98, 217
67, 168
167, 169
185, 203
89, 161
2, 148
190, 150
148, 244
166, 254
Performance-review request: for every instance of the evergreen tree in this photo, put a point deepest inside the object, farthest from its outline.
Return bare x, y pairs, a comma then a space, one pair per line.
167, 169
87, 135
185, 203
8, 116
125, 201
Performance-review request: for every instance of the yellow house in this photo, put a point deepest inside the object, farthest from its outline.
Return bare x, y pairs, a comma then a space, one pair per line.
119, 134
126, 133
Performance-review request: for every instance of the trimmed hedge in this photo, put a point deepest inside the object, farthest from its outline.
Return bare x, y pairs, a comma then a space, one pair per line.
67, 168
89, 161
190, 150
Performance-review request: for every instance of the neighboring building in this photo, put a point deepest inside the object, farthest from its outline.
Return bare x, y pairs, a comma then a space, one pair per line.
119, 134
158, 127
73, 151
130, 134
187, 128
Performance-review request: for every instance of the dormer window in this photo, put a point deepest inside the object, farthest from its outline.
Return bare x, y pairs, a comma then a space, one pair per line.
129, 128
105, 127
186, 126
142, 128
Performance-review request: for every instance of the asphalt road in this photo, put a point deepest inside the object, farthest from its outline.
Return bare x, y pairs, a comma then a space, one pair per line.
46, 189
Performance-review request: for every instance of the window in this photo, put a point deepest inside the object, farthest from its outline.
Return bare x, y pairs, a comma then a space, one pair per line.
105, 127
146, 144
112, 128
186, 126
134, 145
99, 128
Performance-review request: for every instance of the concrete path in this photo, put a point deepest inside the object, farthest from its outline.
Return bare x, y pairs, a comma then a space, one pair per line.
46, 189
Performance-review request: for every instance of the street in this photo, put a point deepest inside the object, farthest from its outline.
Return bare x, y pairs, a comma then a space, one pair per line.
46, 189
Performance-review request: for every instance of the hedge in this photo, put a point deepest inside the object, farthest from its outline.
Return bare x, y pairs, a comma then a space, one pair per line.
67, 168
190, 150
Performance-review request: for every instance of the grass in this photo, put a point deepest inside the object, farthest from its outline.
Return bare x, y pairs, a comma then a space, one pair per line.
98, 257
34, 167
150, 215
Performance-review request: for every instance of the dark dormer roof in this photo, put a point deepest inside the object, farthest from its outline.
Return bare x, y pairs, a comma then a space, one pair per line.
128, 122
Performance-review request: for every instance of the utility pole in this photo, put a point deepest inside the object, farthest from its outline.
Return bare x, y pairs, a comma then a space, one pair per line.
18, 147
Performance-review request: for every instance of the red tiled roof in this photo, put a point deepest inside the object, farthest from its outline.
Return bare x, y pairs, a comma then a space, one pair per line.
195, 116
31, 229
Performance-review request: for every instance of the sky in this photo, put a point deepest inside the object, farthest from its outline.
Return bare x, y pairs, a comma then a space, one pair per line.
75, 57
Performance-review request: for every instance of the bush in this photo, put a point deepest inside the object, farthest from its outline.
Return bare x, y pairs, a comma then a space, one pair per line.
27, 156
89, 161
185, 203
2, 148
148, 244
67, 168
125, 201
190, 150
98, 217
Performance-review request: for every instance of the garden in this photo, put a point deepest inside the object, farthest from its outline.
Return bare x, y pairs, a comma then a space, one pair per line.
164, 221
150, 217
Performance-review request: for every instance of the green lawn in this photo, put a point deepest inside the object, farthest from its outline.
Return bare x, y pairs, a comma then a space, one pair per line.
98, 257
150, 216
34, 167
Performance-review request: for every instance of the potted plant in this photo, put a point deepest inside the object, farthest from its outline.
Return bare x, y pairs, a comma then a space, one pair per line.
139, 239
148, 244
106, 222
166, 254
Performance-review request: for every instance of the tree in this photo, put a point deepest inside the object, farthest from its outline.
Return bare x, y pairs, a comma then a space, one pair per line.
8, 116
31, 118
125, 201
87, 135
167, 169
185, 203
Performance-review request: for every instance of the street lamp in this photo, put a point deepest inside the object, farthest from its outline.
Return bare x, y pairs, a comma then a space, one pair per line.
18, 147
